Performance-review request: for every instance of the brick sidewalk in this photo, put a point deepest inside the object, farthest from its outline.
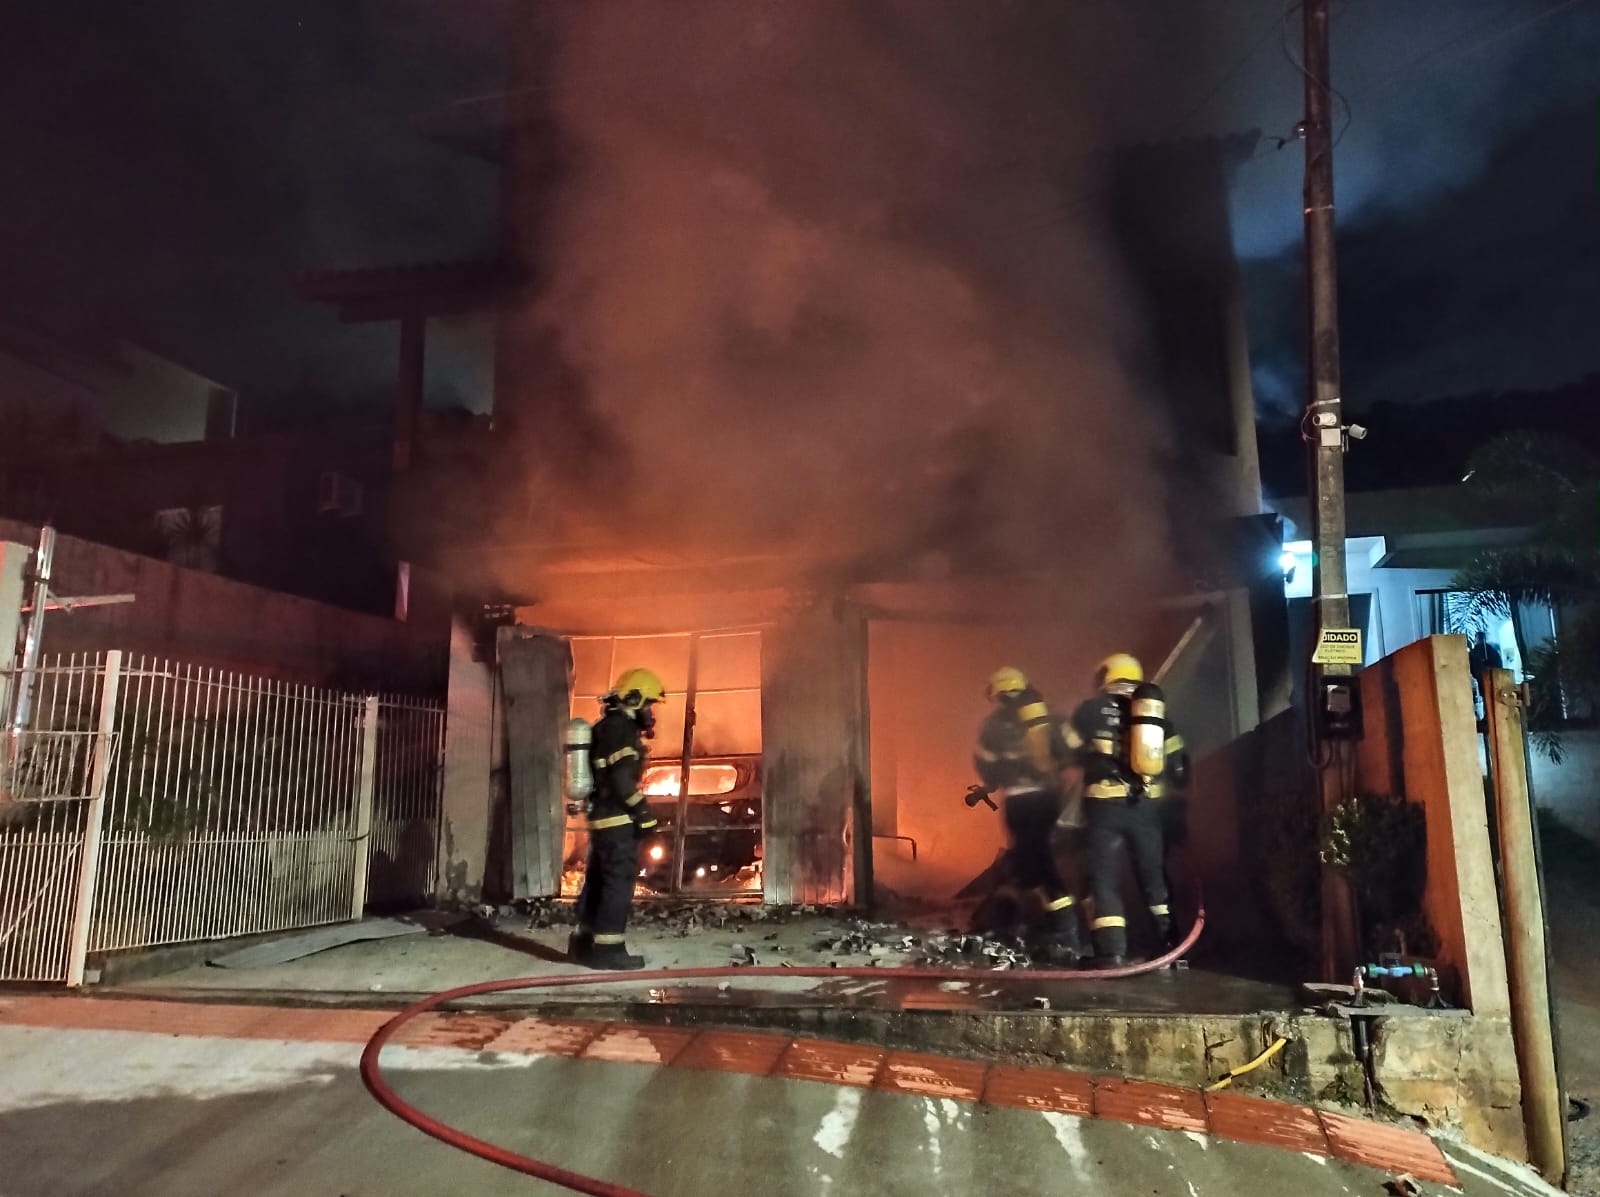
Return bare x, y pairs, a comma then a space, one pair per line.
1164, 1107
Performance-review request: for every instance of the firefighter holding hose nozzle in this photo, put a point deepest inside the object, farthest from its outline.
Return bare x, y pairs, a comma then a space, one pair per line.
1130, 755
619, 816
1021, 752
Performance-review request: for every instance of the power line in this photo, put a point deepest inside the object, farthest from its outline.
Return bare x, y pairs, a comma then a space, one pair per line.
1325, 85
1411, 67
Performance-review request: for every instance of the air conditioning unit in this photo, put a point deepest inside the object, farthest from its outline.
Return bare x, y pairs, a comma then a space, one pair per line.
338, 494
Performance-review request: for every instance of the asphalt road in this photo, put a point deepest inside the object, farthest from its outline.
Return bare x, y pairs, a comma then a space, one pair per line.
132, 1112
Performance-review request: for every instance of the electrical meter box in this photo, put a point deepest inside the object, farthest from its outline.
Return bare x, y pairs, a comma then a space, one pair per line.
1339, 708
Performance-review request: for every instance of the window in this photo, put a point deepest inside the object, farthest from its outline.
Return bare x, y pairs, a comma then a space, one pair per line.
709, 840
338, 494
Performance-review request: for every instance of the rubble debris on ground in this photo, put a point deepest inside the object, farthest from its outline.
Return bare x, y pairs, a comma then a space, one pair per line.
842, 937
682, 916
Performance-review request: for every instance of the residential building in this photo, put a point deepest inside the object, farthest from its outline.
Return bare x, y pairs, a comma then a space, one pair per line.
81, 394
856, 689
853, 683
1403, 549
299, 514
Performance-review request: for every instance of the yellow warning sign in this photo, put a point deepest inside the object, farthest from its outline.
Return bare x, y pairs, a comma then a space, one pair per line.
1339, 646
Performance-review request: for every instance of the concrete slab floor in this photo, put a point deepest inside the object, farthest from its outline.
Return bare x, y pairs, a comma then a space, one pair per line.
129, 1112
510, 949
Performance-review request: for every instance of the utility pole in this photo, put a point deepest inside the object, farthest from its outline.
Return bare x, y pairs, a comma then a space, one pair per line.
1324, 430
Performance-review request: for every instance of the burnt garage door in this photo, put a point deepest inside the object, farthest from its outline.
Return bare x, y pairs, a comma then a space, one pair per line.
534, 670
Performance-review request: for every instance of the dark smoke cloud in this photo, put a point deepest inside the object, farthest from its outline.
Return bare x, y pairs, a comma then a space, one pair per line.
813, 271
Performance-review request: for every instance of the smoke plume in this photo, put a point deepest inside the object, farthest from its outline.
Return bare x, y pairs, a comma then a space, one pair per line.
827, 283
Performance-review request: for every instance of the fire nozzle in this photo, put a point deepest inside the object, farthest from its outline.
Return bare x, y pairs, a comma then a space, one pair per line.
977, 794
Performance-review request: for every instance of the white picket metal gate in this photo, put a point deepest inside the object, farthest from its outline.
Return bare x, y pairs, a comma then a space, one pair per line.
154, 802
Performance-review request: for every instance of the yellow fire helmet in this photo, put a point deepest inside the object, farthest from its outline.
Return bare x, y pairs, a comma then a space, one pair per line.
1007, 681
1118, 667
635, 687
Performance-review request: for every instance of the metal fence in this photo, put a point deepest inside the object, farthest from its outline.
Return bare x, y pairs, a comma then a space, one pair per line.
232, 807
50, 773
155, 802
405, 803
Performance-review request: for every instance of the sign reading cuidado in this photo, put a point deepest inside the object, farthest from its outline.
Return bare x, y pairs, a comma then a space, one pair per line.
1338, 646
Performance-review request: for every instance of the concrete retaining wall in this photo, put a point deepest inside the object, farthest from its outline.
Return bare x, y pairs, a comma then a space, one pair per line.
1432, 1065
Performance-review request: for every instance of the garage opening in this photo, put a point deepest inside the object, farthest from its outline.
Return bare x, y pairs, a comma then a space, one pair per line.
703, 778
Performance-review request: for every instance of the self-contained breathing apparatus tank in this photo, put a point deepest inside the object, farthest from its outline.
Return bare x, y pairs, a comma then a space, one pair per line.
579, 774
1147, 733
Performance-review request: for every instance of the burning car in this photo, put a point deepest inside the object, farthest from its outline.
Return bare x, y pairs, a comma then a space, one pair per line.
721, 830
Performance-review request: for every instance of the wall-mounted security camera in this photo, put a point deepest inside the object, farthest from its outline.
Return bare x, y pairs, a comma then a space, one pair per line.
1357, 431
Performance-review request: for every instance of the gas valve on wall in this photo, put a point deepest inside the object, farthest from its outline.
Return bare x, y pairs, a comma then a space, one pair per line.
580, 778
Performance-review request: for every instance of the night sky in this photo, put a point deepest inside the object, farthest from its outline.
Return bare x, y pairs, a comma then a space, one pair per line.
171, 166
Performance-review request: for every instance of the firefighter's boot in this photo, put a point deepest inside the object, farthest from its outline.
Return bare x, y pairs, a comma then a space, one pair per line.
1061, 946
999, 914
612, 957
1165, 935
579, 944
1110, 942
1169, 939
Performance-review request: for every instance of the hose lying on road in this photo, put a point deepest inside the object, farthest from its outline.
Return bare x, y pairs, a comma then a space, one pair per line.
395, 1104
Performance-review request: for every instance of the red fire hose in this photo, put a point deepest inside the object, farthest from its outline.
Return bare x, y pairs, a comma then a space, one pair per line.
395, 1104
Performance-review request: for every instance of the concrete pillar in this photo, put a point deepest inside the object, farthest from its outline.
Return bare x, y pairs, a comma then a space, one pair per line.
815, 754
14, 559
468, 763
1241, 396
1544, 1105
408, 399
1241, 661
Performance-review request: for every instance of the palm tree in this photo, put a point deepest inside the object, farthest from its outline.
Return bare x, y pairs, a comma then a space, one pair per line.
1502, 582
1546, 481
191, 536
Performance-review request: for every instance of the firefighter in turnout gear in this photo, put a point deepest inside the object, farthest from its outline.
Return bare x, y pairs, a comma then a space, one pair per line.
1021, 752
1130, 756
619, 816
